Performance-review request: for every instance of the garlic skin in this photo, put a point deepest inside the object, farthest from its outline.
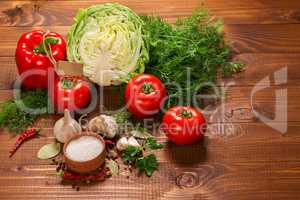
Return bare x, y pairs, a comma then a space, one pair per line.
104, 124
122, 144
133, 142
66, 127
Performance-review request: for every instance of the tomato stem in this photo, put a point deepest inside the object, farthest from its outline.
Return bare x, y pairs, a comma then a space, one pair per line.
147, 88
67, 84
186, 113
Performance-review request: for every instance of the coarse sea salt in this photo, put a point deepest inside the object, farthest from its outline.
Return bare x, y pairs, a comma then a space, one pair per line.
84, 148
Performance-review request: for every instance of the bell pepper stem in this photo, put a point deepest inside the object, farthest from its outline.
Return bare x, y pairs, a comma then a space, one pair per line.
41, 49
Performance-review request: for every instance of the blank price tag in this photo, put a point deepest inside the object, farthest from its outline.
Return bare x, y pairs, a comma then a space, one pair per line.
66, 68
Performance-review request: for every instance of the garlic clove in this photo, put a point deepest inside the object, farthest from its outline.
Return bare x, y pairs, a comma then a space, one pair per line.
122, 144
111, 125
66, 127
133, 142
104, 124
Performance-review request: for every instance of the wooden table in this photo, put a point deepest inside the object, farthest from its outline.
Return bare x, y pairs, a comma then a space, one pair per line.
259, 164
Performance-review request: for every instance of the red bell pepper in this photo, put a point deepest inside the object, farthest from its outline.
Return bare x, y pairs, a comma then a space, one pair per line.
33, 60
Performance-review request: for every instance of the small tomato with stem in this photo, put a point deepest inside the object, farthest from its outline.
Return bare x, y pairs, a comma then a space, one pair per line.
183, 125
71, 93
145, 94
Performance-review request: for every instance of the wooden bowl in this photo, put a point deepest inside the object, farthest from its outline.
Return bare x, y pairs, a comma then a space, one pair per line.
85, 166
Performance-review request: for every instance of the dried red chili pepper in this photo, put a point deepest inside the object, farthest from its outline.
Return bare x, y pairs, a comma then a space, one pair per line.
109, 142
67, 175
27, 134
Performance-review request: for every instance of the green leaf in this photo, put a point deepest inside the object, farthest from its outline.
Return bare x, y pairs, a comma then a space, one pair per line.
49, 151
147, 164
113, 167
141, 134
152, 144
131, 154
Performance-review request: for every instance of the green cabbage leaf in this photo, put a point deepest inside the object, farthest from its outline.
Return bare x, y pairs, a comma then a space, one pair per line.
108, 40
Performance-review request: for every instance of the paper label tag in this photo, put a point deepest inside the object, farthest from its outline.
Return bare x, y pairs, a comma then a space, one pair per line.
66, 68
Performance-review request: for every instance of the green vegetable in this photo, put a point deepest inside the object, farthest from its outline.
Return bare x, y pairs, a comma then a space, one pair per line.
193, 47
49, 151
147, 164
16, 119
152, 144
108, 40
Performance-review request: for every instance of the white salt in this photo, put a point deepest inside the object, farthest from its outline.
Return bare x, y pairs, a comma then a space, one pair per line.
84, 148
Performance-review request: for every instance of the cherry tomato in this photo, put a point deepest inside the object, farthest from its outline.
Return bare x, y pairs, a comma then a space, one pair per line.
71, 93
183, 125
145, 95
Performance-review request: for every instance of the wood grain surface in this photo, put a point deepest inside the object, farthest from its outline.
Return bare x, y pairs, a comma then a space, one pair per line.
260, 163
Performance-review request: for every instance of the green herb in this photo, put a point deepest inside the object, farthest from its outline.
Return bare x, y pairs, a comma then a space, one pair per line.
134, 156
122, 117
147, 164
194, 47
131, 154
49, 151
152, 144
16, 119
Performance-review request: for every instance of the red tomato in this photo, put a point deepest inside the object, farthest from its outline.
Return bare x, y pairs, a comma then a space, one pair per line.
183, 125
145, 95
72, 93
32, 60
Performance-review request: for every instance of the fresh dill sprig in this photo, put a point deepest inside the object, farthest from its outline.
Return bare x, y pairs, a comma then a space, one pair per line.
16, 119
194, 47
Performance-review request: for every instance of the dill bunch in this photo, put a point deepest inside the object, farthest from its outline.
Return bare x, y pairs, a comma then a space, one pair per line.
16, 119
188, 53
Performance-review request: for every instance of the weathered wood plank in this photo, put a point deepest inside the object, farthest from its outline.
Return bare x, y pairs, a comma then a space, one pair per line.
264, 38
37, 13
208, 170
243, 38
266, 63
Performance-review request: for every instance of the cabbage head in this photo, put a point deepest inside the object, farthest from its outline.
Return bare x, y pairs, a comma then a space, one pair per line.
108, 40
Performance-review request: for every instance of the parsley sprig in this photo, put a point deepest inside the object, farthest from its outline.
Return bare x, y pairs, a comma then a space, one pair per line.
135, 156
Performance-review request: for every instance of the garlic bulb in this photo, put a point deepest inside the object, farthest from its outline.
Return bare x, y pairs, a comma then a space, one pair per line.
122, 144
104, 124
66, 127
133, 142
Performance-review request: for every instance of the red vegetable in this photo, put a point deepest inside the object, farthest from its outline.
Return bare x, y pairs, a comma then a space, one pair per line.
67, 175
183, 125
109, 142
145, 95
31, 56
26, 135
72, 93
